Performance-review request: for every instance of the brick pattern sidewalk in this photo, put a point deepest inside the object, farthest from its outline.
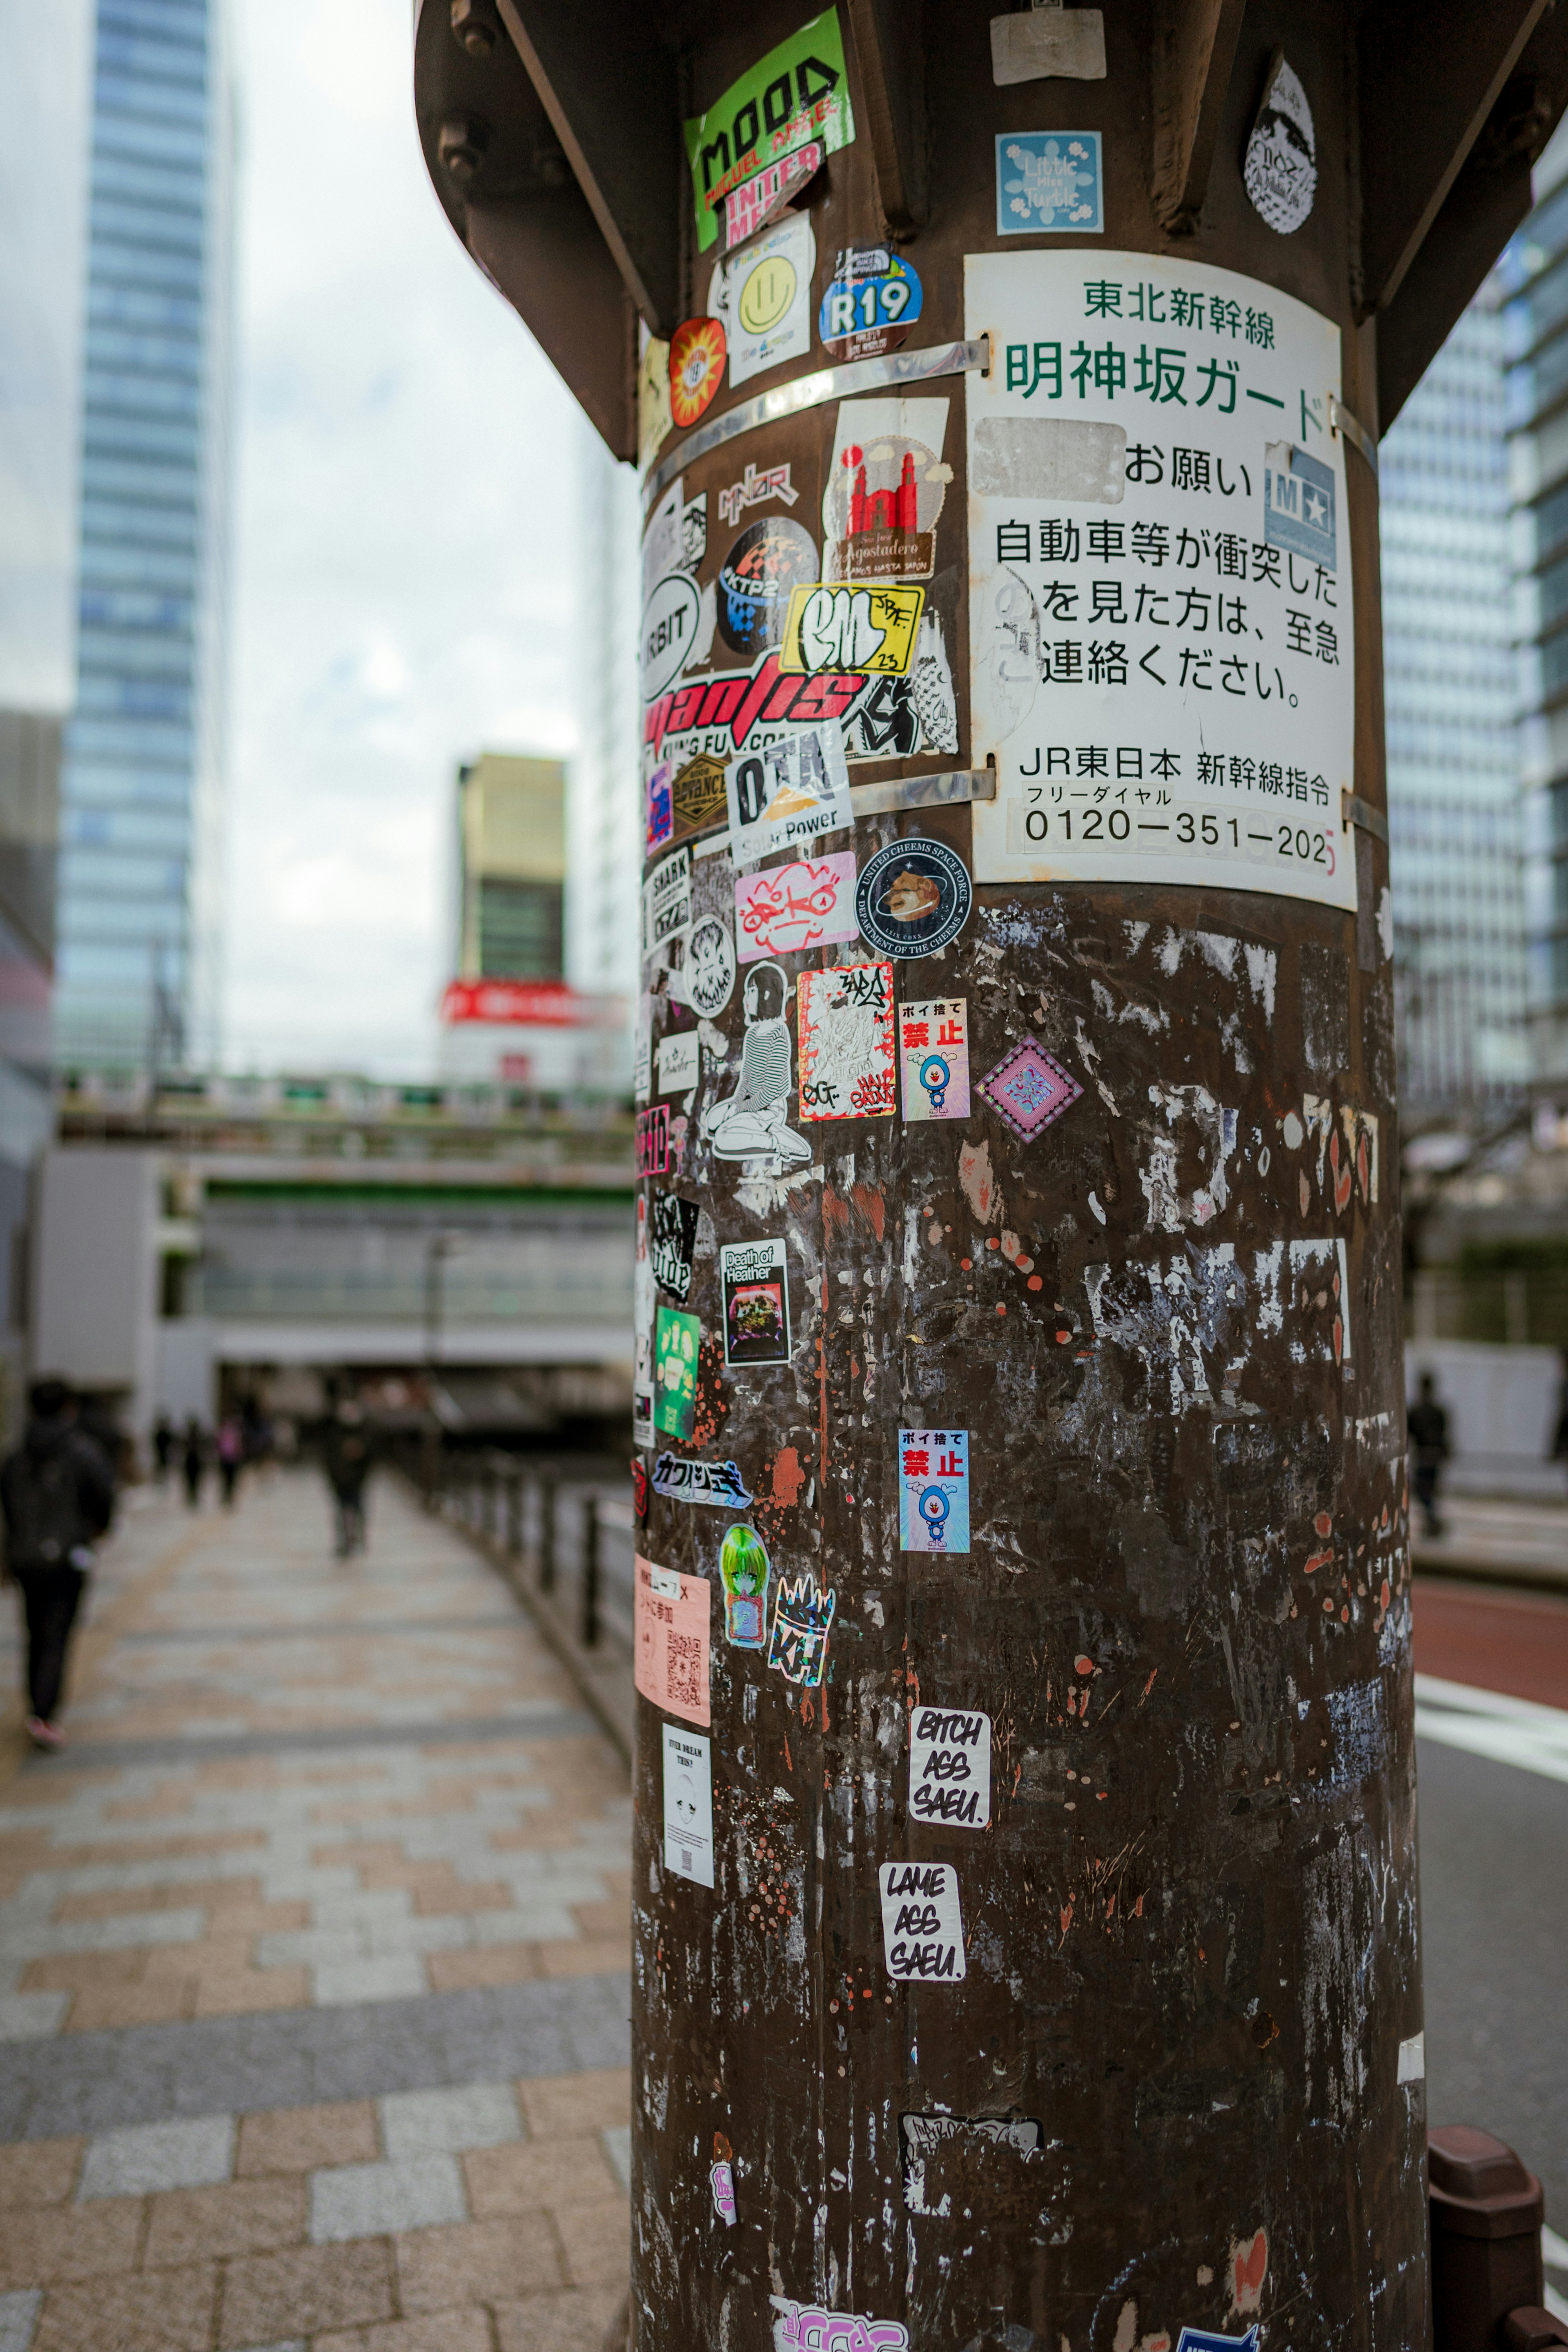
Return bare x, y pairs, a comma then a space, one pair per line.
312, 1957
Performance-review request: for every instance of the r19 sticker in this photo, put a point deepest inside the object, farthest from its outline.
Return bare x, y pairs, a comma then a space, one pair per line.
872, 304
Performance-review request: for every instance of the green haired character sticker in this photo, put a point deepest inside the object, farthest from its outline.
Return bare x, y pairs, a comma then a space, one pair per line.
744, 1565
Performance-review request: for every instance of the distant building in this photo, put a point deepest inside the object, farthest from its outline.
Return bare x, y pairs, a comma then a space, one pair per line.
138, 908
1451, 702
1533, 272
509, 1014
45, 96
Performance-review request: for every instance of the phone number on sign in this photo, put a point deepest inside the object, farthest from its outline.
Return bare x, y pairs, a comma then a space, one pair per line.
1179, 829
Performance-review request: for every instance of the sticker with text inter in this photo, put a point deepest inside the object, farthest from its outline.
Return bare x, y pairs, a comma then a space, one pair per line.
922, 1929
950, 1766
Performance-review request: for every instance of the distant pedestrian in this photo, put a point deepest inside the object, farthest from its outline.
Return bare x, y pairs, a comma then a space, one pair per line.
192, 1460
57, 1493
164, 1446
1429, 1445
231, 1455
347, 1453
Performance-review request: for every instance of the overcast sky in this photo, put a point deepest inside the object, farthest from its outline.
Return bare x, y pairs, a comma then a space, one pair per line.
408, 469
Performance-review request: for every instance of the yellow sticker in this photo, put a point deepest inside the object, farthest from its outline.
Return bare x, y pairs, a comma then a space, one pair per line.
766, 293
845, 625
654, 417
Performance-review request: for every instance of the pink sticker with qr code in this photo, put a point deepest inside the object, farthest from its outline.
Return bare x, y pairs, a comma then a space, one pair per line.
671, 1629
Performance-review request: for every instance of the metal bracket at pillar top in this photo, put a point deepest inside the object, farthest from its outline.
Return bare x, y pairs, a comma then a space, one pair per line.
814, 391
1355, 431
950, 788
1354, 810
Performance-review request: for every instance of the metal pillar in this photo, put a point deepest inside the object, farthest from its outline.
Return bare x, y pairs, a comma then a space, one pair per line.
1116, 2043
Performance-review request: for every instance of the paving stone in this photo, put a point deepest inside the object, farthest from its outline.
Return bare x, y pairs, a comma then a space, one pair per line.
300, 2139
158, 2156
477, 2261
475, 2114
528, 2176
589, 2102
365, 2200
70, 2242
578, 2321
154, 2311
38, 2172
596, 2240
241, 2217
367, 1979
314, 2288
440, 2331
18, 2318
28, 2016
617, 2139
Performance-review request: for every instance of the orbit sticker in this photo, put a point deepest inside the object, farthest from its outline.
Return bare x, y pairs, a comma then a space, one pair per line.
913, 896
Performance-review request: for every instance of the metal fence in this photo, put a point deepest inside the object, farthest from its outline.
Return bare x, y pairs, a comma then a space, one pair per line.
563, 1527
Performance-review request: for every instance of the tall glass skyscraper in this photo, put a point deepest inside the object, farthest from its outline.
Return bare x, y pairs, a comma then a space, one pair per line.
1451, 694
141, 793
1533, 272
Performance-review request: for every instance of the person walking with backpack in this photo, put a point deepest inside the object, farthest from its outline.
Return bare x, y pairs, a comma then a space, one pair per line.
56, 1495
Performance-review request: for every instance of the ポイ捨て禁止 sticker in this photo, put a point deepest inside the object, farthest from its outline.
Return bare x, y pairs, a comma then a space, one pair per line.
922, 1926
789, 910
752, 1124
744, 1570
1029, 1090
848, 1059
933, 1489
670, 1640
1049, 184
696, 368
768, 560
672, 1241
688, 1805
788, 795
886, 487
795, 94
676, 1339
1162, 637
680, 1059
950, 1766
654, 1140
763, 295
705, 977
755, 1302
873, 301
933, 1048
802, 1619
680, 1480
839, 626
913, 896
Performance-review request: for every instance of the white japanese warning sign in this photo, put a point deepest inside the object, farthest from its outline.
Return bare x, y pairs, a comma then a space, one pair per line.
1161, 626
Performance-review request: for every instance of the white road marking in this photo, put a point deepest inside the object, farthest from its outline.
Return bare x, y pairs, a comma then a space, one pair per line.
1487, 1723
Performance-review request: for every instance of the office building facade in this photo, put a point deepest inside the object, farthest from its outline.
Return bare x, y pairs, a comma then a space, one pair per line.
141, 797
45, 93
1533, 272
1451, 701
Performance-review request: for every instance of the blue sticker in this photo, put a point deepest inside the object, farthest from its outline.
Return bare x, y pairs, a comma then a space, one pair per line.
933, 1489
1048, 184
1199, 2339
872, 302
1299, 503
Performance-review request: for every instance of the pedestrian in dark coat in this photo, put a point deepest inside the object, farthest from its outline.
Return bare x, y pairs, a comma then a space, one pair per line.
56, 1495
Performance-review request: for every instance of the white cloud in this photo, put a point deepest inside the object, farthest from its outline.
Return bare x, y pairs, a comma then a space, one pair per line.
404, 580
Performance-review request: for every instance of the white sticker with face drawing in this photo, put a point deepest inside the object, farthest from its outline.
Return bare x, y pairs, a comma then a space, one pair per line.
688, 1805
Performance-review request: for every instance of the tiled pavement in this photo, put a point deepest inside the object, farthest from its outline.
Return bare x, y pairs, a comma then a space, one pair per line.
312, 1957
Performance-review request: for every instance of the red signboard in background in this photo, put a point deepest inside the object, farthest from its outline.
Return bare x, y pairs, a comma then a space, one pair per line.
539, 1004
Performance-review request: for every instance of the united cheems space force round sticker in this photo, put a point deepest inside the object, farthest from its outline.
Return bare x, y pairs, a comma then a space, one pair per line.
912, 898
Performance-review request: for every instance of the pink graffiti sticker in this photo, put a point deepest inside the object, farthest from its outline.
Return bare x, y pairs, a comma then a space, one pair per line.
847, 1054
1027, 1089
786, 909
803, 2328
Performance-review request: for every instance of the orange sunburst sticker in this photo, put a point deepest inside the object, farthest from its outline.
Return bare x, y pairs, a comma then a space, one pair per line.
696, 368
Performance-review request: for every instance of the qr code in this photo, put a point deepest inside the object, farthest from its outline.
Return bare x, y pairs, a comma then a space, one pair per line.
685, 1654
685, 1859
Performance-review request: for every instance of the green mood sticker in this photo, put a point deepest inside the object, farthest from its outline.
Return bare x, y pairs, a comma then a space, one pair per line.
676, 1343
798, 92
